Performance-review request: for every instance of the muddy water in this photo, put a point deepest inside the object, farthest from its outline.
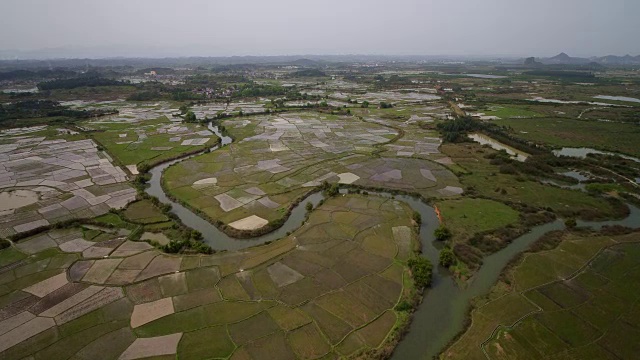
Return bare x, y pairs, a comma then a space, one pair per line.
583, 152
15, 199
486, 140
441, 315
617, 98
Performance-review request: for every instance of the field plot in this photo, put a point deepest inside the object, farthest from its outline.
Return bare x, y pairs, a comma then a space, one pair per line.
301, 297
133, 138
562, 303
468, 216
497, 112
280, 158
44, 180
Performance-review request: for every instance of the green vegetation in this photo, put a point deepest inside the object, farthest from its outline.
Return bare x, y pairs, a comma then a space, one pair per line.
468, 216
532, 314
442, 233
309, 73
447, 257
35, 112
267, 190
84, 81
421, 270
560, 132
346, 282
291, 296
506, 112
486, 180
152, 148
144, 212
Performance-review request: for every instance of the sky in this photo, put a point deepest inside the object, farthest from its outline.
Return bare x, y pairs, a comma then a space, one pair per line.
109, 28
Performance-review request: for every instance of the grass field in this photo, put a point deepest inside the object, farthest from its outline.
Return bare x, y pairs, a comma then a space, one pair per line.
468, 216
488, 181
143, 212
560, 132
506, 112
570, 302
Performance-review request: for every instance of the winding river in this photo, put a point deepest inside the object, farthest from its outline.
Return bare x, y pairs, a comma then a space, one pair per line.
441, 315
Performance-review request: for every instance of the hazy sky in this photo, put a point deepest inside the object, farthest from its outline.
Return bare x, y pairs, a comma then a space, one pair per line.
280, 27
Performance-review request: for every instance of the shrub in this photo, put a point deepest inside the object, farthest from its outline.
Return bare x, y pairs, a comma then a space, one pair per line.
570, 223
403, 305
447, 258
417, 217
442, 233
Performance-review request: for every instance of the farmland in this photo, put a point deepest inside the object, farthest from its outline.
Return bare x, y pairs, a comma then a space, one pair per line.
559, 132
67, 292
92, 265
572, 301
284, 157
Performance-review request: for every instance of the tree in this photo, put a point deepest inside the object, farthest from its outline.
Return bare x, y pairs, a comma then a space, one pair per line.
421, 271
447, 257
570, 223
190, 117
417, 217
195, 235
333, 190
442, 233
309, 206
183, 109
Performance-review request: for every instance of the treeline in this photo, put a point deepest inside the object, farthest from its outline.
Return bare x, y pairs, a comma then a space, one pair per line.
158, 70
174, 94
30, 109
35, 75
561, 74
456, 130
91, 81
256, 90
309, 73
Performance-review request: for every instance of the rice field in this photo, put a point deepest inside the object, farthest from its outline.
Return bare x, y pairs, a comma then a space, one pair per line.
280, 158
322, 291
574, 301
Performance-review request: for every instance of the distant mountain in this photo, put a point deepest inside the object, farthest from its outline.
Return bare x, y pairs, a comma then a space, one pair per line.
619, 60
304, 62
564, 59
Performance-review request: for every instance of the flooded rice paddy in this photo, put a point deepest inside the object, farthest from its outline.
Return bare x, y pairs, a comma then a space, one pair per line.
10, 200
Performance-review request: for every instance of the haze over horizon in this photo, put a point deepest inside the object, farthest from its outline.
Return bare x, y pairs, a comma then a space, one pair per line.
160, 28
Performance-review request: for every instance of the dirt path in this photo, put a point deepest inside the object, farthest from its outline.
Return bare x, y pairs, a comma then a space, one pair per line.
456, 109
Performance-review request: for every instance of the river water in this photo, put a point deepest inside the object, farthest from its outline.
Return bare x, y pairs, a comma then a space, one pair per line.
584, 151
441, 315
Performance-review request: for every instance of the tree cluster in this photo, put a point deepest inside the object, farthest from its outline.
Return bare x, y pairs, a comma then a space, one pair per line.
421, 271
88, 81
